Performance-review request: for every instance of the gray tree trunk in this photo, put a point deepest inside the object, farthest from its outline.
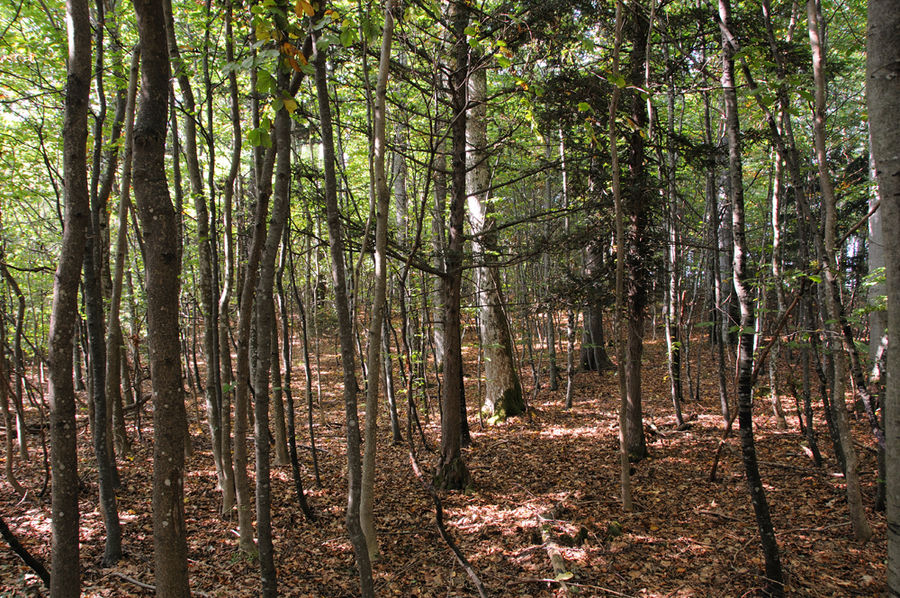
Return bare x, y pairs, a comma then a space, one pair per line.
345, 327
883, 98
160, 231
66, 581
382, 193
861, 528
503, 392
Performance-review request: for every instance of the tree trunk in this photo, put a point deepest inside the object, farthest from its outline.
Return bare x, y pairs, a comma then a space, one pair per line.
265, 324
66, 581
158, 222
861, 528
208, 294
624, 465
883, 99
775, 583
503, 393
382, 193
228, 490
348, 360
453, 473
635, 203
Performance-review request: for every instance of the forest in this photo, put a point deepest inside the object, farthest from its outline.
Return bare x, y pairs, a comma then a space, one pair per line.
449, 298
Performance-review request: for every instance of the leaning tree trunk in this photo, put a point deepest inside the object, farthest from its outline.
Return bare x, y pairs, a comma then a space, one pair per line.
503, 393
861, 528
775, 583
158, 221
883, 98
66, 581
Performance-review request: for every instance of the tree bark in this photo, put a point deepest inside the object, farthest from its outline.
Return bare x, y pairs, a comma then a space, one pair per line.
861, 528
635, 203
775, 580
265, 323
452, 472
883, 99
342, 306
503, 393
66, 582
382, 193
158, 222
624, 465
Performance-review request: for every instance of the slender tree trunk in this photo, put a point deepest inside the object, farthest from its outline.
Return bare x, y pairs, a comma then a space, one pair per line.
66, 581
286, 356
624, 465
228, 476
158, 222
453, 473
7, 415
635, 198
265, 322
208, 294
775, 580
115, 341
861, 528
382, 193
335, 240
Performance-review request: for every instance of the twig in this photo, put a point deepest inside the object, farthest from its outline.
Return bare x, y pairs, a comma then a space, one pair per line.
571, 583
148, 586
136, 582
23, 553
439, 520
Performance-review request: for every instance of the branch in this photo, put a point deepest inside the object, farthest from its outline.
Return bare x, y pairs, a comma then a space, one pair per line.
439, 520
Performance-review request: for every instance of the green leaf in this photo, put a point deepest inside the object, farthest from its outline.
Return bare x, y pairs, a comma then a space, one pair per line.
584, 107
564, 576
503, 61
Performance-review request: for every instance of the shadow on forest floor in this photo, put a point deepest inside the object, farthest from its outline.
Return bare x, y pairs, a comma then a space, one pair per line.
686, 537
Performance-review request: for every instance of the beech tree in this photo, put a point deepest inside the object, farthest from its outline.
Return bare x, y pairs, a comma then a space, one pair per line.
65, 560
883, 99
162, 269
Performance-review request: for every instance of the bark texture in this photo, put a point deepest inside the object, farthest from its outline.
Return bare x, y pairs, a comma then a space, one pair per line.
66, 581
775, 580
883, 97
503, 393
161, 253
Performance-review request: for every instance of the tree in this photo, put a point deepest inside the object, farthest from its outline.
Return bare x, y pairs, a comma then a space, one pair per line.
66, 581
342, 306
775, 580
452, 472
382, 194
883, 99
503, 392
158, 224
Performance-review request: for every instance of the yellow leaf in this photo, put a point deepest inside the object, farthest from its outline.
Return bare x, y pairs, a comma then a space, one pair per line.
290, 105
302, 7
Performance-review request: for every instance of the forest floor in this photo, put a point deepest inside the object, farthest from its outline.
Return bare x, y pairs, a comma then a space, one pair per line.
687, 536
